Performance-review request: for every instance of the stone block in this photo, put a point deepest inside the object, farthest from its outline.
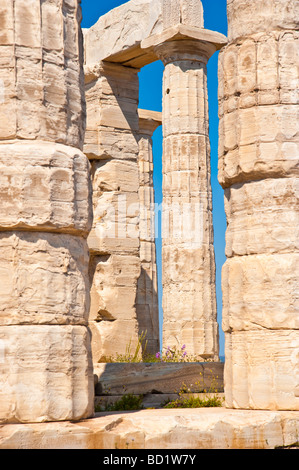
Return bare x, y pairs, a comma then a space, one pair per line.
116, 224
261, 369
111, 339
46, 188
122, 28
260, 292
250, 16
258, 142
262, 217
46, 374
204, 428
44, 279
142, 378
115, 175
46, 95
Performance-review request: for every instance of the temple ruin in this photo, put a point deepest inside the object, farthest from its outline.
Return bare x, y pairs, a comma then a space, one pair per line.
78, 262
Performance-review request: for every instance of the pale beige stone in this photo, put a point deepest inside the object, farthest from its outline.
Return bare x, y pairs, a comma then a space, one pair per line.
262, 217
45, 215
43, 98
113, 339
261, 369
188, 12
189, 301
44, 279
113, 281
114, 241
204, 428
46, 374
162, 377
260, 291
147, 306
258, 167
46, 189
121, 30
250, 16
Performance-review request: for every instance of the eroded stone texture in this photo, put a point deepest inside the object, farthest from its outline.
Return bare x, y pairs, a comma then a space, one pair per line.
201, 428
44, 279
189, 302
258, 167
147, 288
120, 31
114, 242
46, 374
188, 12
46, 188
45, 216
246, 17
41, 71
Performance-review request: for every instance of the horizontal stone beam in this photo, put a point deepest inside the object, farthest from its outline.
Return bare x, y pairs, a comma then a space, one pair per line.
127, 34
117, 35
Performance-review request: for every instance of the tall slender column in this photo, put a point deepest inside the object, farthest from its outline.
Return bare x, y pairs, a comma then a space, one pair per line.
112, 93
45, 215
189, 300
147, 289
258, 167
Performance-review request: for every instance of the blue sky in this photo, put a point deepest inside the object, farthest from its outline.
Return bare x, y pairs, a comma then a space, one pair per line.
151, 98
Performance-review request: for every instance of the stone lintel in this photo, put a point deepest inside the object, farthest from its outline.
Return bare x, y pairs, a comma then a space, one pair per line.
149, 121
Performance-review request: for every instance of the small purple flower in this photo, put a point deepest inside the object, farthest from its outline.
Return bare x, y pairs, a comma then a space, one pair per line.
158, 355
184, 353
183, 347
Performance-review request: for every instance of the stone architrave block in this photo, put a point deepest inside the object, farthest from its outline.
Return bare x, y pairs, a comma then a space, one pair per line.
42, 96
122, 29
46, 189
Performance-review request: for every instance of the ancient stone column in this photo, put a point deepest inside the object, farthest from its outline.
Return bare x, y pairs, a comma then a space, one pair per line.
112, 146
147, 288
45, 215
189, 300
258, 168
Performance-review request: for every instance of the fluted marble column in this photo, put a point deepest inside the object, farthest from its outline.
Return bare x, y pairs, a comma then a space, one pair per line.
189, 300
111, 144
147, 288
258, 168
45, 215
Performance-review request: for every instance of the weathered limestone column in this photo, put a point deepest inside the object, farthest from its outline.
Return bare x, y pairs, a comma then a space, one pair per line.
45, 215
147, 288
111, 144
189, 300
258, 167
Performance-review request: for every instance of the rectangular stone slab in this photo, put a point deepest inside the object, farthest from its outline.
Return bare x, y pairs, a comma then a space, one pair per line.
141, 378
46, 373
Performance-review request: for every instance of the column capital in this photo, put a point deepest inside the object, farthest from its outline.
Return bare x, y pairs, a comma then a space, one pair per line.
181, 41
